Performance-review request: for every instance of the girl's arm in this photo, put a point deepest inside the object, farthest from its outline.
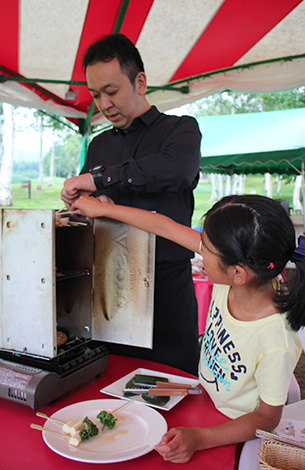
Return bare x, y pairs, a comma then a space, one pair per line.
179, 444
142, 219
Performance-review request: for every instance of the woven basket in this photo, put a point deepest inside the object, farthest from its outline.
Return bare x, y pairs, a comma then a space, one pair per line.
275, 455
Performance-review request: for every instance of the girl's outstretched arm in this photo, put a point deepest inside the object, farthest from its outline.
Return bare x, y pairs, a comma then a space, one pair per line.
145, 220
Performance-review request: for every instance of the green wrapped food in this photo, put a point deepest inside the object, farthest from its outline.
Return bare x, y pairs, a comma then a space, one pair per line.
106, 419
145, 381
90, 430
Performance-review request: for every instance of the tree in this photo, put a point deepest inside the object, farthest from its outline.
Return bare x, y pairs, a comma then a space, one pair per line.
232, 102
66, 156
7, 155
40, 118
268, 185
291, 99
24, 171
58, 128
297, 205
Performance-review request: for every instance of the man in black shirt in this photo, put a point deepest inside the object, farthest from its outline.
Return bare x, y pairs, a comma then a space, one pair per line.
151, 161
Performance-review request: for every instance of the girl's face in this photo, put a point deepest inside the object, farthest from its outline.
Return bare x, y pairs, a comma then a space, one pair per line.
211, 262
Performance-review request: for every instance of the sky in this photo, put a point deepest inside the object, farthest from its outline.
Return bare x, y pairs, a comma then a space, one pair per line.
27, 140
27, 146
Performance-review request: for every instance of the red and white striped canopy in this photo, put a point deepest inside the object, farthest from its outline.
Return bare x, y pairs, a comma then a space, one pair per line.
190, 48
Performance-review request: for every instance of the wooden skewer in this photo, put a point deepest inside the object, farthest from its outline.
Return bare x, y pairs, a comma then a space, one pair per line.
64, 211
42, 415
61, 210
78, 223
68, 212
40, 428
125, 404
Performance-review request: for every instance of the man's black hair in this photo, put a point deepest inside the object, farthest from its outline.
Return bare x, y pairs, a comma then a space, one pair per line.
115, 46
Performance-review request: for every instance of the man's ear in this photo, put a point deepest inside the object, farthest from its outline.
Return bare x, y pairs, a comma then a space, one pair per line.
239, 275
141, 83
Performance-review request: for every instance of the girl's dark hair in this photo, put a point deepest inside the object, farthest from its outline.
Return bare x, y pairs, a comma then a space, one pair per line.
115, 46
257, 232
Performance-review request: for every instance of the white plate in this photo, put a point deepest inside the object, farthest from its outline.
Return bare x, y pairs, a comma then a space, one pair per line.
115, 389
137, 431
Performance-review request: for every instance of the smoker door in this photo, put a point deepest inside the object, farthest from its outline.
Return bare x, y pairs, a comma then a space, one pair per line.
28, 282
123, 284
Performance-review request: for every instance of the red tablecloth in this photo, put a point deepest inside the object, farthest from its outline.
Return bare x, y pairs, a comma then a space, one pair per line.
203, 291
24, 448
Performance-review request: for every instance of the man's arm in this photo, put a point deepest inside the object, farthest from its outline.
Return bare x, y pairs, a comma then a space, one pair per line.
171, 165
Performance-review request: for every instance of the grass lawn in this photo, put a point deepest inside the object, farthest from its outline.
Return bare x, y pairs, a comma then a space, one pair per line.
49, 196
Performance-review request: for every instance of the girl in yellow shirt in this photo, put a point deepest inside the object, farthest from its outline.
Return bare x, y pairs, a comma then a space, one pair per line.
246, 243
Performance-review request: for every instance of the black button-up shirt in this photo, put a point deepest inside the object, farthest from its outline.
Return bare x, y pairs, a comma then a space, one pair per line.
153, 166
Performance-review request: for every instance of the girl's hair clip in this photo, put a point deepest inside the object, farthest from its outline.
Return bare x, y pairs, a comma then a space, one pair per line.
299, 252
271, 266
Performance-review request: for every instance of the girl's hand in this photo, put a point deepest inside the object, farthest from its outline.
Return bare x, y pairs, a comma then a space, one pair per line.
90, 206
178, 444
75, 187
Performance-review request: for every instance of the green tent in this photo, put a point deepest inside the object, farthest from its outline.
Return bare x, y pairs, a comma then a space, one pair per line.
266, 142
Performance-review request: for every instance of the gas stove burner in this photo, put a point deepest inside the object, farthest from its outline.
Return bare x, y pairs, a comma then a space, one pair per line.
35, 382
73, 348
79, 352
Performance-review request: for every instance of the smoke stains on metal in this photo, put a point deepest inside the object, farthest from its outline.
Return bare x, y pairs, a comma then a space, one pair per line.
120, 281
121, 275
121, 241
122, 304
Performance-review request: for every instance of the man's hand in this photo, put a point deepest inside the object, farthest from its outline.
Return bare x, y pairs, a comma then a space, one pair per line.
81, 185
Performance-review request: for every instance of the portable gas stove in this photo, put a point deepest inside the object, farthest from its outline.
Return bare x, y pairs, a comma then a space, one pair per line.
65, 292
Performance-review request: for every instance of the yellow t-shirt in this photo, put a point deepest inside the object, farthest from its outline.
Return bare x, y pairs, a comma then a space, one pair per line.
242, 361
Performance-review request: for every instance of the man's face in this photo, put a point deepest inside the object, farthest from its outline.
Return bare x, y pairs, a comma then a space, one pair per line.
114, 95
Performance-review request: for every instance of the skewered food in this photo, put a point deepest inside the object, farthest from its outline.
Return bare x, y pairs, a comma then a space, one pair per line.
90, 430
75, 440
81, 430
106, 419
73, 426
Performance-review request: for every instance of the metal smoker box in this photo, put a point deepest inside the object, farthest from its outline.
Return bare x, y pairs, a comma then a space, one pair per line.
94, 280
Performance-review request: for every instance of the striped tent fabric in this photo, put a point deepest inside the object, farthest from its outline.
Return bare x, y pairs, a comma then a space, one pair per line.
190, 48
